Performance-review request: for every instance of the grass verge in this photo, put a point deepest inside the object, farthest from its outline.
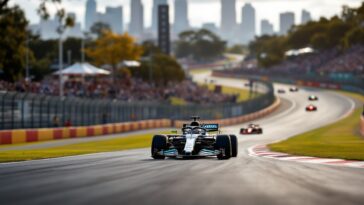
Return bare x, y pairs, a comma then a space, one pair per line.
243, 94
126, 143
338, 140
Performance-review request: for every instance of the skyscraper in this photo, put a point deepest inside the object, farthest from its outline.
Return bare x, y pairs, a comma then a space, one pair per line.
136, 26
115, 18
228, 18
156, 3
248, 23
90, 16
112, 17
286, 21
305, 16
181, 22
266, 28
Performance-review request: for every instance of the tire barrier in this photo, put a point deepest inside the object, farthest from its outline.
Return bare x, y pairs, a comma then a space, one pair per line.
362, 125
47, 134
240, 119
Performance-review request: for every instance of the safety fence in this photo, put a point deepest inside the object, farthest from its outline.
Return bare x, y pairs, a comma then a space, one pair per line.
24, 111
46, 134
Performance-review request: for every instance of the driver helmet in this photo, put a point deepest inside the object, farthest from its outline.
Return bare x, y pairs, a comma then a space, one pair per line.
195, 124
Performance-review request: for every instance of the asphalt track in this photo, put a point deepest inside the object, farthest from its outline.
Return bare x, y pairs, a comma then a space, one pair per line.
132, 177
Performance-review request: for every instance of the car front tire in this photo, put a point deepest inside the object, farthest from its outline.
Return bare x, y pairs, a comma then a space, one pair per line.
159, 143
234, 145
223, 143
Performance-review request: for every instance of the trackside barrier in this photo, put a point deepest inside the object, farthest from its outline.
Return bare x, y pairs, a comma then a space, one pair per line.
362, 125
308, 83
238, 120
47, 134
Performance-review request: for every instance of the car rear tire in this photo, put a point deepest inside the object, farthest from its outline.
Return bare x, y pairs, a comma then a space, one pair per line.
223, 143
159, 143
234, 145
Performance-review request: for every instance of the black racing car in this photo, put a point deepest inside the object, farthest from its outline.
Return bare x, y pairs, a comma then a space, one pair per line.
293, 89
251, 129
195, 141
281, 91
312, 98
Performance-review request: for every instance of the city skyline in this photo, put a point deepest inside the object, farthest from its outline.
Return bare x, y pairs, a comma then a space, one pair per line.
265, 9
30, 7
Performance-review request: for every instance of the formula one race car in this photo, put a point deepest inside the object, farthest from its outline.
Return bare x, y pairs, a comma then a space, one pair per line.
311, 108
313, 98
281, 91
293, 89
195, 141
252, 129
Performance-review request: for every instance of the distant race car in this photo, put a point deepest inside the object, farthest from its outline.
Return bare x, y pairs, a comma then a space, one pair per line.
311, 108
281, 91
251, 129
313, 98
293, 89
195, 141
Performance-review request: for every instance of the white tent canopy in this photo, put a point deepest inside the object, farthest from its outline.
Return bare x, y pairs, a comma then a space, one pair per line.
83, 69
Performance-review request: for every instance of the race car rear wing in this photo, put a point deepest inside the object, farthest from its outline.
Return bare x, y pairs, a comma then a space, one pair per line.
211, 127
208, 127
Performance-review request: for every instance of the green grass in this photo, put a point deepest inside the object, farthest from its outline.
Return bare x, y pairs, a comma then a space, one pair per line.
199, 71
243, 94
338, 140
177, 101
132, 142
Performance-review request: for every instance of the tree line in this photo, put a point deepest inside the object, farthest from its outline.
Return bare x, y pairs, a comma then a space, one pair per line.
341, 31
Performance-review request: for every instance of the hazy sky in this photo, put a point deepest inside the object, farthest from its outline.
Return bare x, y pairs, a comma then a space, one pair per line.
202, 11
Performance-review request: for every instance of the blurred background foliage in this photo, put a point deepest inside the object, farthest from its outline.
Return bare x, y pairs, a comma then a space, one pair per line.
339, 31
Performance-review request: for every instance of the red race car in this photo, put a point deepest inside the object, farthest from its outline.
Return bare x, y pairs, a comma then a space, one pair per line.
251, 129
311, 108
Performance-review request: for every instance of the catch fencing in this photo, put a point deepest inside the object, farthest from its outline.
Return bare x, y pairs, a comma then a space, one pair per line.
25, 110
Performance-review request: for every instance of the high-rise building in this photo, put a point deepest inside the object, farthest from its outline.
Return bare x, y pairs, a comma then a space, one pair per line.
156, 4
164, 41
266, 28
136, 27
286, 21
112, 17
115, 18
248, 23
305, 16
181, 22
90, 17
211, 27
228, 18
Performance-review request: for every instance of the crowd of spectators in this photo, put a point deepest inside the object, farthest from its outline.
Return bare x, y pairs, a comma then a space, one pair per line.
330, 61
129, 90
351, 61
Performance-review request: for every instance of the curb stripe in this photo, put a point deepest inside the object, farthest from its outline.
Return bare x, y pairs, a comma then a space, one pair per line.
263, 151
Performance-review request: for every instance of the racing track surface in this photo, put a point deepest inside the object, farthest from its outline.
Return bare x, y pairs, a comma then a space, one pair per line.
132, 177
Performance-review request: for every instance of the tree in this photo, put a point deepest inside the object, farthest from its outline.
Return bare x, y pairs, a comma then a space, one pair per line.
354, 36
202, 45
112, 49
269, 50
163, 68
99, 28
12, 43
150, 49
238, 49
